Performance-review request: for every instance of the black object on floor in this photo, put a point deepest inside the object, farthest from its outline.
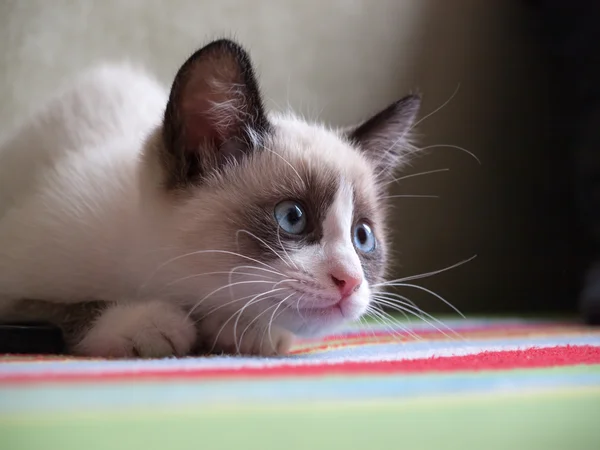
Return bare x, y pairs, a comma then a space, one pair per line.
31, 338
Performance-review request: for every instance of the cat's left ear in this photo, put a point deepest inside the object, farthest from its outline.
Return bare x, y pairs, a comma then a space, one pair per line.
384, 137
215, 114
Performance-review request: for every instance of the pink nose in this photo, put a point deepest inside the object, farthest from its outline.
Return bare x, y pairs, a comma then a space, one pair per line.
346, 283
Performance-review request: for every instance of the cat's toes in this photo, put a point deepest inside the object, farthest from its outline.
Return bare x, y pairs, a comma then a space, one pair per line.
276, 343
148, 330
253, 342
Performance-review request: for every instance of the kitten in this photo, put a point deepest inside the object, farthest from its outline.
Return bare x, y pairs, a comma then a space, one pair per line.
148, 223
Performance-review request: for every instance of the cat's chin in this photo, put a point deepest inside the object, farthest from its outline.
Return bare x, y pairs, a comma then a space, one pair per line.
319, 321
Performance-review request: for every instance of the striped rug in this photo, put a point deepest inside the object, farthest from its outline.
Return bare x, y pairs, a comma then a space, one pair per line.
510, 383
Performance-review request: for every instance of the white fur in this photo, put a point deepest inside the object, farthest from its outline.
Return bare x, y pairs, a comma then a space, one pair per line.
337, 257
72, 226
339, 251
70, 212
149, 328
83, 217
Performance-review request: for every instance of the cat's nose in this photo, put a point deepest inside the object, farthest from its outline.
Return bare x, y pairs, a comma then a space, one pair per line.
346, 283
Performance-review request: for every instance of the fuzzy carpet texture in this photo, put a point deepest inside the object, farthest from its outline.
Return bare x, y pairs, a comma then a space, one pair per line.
480, 383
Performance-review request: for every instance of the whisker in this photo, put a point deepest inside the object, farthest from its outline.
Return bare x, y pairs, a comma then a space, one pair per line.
225, 287
298, 308
232, 271
364, 323
284, 250
264, 243
397, 302
409, 196
216, 308
287, 280
391, 318
273, 317
405, 177
258, 316
429, 291
426, 274
382, 320
457, 147
413, 308
199, 252
439, 108
379, 321
404, 299
400, 300
178, 280
410, 129
216, 339
404, 328
258, 268
264, 334
239, 315
396, 307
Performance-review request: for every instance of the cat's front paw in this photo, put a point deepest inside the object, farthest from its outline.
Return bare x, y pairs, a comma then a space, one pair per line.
273, 342
152, 329
255, 341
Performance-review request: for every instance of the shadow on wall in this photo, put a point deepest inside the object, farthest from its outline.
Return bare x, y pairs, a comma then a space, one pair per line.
508, 210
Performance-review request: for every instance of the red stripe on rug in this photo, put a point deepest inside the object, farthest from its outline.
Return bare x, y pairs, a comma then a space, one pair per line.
498, 360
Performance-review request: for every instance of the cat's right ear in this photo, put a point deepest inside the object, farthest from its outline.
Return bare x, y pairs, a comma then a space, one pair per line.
214, 116
384, 138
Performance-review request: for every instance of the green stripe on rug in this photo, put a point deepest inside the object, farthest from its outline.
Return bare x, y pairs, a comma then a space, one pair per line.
556, 419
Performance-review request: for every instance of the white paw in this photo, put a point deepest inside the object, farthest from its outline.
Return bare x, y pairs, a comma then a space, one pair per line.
149, 330
258, 341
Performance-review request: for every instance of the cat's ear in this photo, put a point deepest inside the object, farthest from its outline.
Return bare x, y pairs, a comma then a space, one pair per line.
384, 138
215, 114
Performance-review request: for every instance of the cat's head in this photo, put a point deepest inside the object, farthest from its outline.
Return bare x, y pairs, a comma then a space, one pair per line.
288, 217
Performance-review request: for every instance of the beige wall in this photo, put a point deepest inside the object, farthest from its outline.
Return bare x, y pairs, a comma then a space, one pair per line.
340, 60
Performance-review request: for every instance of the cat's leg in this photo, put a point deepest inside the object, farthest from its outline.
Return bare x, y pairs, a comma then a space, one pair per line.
150, 329
225, 337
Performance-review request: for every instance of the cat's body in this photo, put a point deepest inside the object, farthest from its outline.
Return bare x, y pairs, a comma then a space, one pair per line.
207, 224
87, 142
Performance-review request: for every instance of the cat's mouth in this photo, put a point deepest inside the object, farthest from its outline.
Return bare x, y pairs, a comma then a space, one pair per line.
326, 306
322, 310
319, 313
313, 309
316, 299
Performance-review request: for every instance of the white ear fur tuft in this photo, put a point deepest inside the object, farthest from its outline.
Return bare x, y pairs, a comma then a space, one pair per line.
214, 114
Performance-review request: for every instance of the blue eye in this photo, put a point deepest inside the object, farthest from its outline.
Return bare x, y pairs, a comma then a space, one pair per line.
291, 217
363, 238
